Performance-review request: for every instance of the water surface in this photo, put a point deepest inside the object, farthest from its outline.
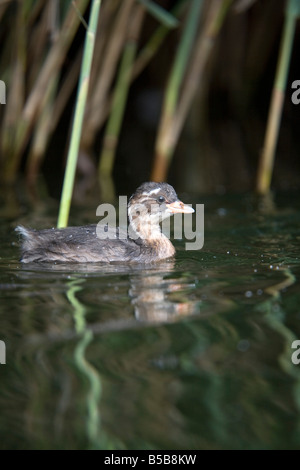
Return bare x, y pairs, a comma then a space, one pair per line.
193, 353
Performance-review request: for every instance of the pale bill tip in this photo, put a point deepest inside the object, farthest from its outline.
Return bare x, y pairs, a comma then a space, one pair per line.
188, 209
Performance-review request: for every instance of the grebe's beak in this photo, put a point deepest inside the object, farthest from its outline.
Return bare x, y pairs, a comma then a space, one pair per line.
178, 207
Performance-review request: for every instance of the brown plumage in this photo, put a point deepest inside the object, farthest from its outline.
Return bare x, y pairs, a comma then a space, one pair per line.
144, 242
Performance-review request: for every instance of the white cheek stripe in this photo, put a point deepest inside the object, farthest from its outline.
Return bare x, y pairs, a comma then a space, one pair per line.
141, 201
154, 191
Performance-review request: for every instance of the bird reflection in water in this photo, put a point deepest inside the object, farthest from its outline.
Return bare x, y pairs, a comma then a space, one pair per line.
159, 298
157, 292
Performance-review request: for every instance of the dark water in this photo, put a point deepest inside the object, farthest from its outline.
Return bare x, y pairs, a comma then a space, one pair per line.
193, 353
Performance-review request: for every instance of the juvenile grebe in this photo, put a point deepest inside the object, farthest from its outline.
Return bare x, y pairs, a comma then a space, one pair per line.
144, 243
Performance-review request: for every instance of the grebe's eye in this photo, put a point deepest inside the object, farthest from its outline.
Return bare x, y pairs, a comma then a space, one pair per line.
161, 199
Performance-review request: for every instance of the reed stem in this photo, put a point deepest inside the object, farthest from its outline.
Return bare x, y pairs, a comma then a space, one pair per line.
41, 89
114, 124
155, 41
68, 185
266, 163
106, 74
173, 123
162, 147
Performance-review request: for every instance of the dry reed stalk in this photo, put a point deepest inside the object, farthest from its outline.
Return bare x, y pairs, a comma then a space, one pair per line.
16, 97
54, 59
42, 87
3, 7
266, 163
108, 15
97, 102
52, 110
143, 58
38, 42
65, 91
203, 47
41, 137
149, 50
173, 89
111, 137
48, 27
168, 139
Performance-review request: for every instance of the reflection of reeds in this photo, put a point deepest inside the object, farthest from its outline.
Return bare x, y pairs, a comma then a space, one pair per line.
84, 367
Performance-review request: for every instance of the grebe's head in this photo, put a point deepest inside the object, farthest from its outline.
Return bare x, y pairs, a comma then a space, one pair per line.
152, 203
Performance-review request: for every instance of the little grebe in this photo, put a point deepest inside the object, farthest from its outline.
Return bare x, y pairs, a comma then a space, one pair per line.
144, 242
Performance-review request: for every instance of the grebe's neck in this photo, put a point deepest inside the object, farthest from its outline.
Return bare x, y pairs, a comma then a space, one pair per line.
143, 224
145, 215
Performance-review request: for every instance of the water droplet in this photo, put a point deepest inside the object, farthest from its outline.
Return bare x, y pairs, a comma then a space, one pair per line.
248, 294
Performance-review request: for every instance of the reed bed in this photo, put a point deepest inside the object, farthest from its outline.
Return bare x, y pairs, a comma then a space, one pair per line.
42, 62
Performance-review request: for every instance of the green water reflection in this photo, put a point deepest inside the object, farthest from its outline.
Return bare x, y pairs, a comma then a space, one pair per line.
193, 353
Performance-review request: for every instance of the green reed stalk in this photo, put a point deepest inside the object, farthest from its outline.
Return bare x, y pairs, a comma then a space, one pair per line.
68, 185
162, 153
266, 163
